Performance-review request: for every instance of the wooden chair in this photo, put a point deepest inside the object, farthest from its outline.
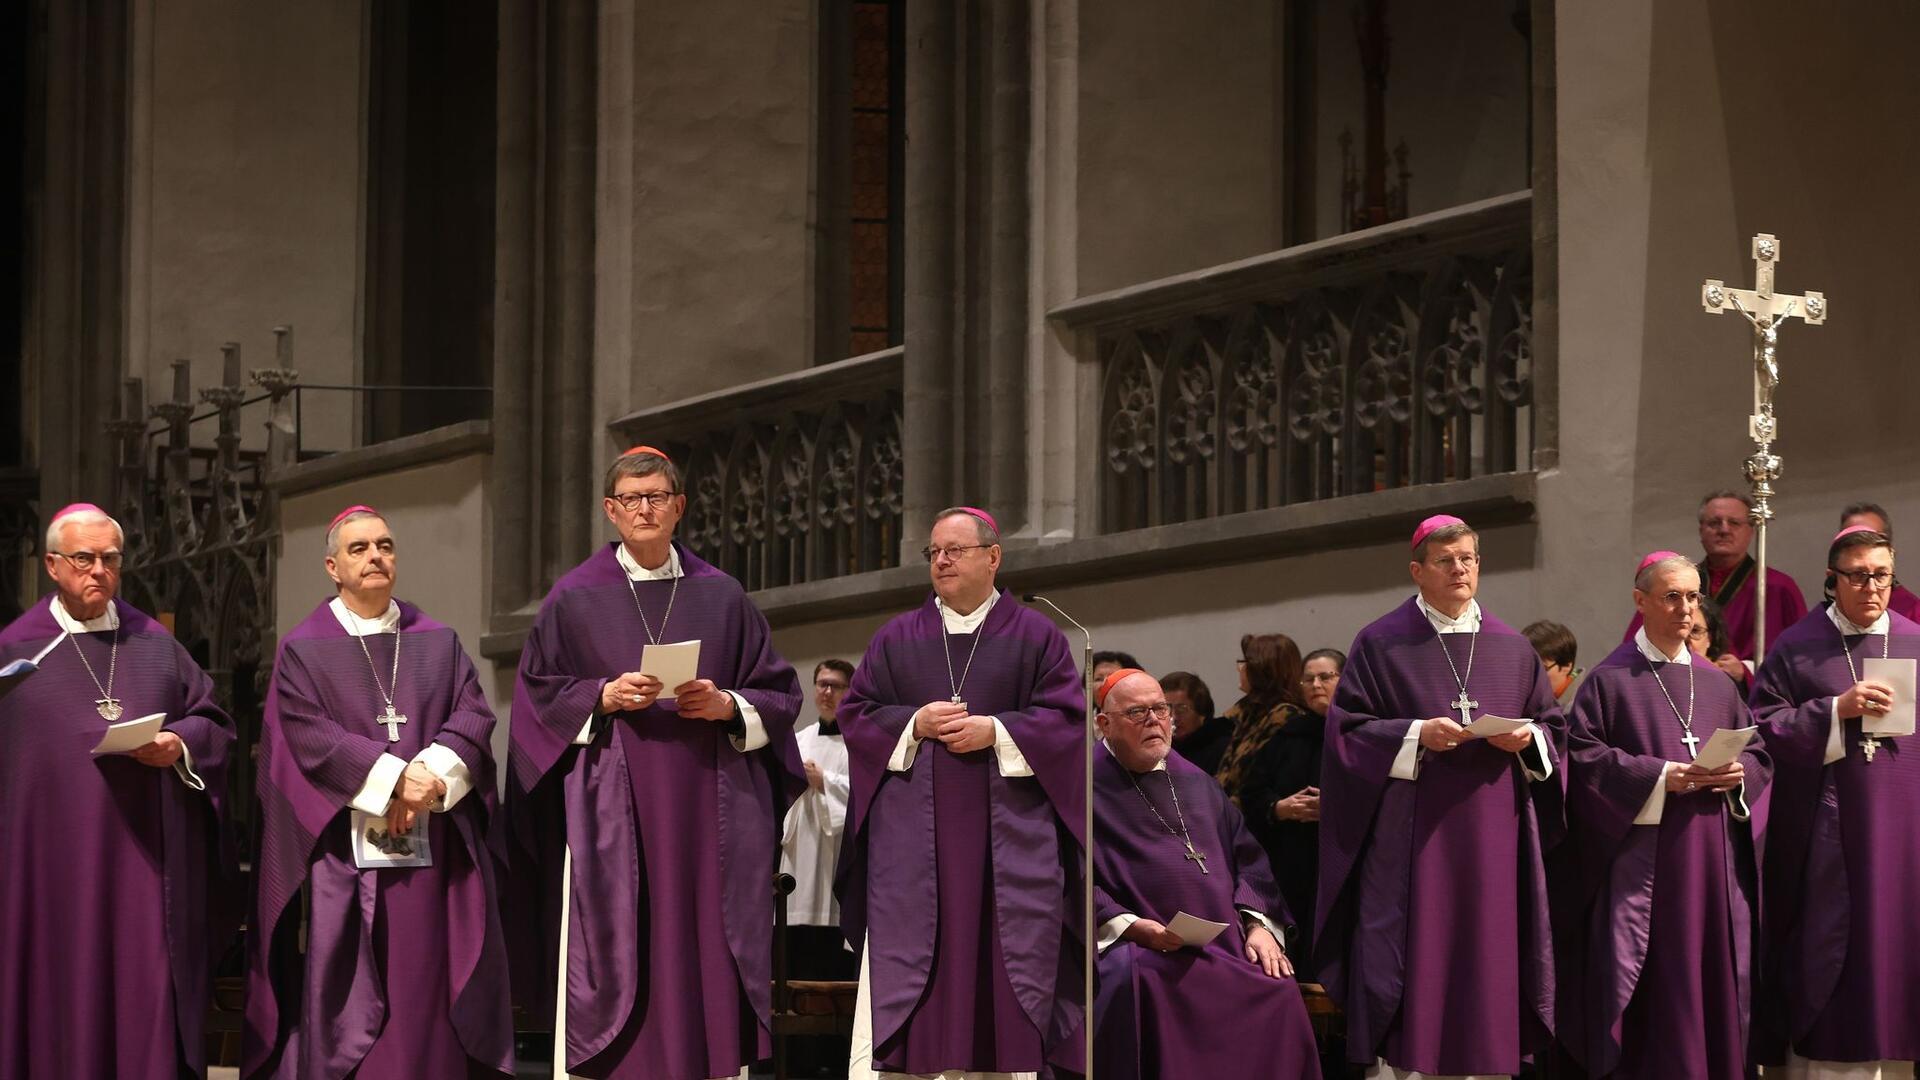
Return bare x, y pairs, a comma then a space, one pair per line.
802, 1006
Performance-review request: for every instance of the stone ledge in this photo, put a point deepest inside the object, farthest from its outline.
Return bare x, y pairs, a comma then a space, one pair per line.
1303, 528
439, 444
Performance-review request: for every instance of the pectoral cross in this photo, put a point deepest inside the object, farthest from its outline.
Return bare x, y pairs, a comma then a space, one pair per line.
1463, 703
393, 720
1693, 744
1869, 746
1196, 858
109, 709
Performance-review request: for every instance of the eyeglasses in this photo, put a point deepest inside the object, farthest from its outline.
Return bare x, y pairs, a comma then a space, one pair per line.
1183, 710
1139, 713
949, 554
830, 687
655, 500
1463, 562
1329, 678
1863, 579
1675, 598
83, 560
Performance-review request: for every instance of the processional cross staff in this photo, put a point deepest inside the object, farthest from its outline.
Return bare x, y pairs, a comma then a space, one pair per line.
1766, 310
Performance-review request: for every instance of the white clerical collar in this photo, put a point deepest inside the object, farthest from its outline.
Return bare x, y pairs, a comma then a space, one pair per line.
668, 569
1654, 655
1467, 623
1158, 766
957, 623
1847, 627
387, 623
107, 620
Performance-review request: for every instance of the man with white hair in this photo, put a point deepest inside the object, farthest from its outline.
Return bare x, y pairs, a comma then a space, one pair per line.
105, 861
376, 727
1167, 841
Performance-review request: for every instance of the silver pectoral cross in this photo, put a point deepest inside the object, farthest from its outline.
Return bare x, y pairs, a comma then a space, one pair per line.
1197, 858
1463, 703
109, 709
1869, 746
393, 720
1693, 744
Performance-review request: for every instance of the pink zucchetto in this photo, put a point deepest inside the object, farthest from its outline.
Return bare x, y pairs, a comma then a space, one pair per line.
77, 508
1431, 525
1658, 556
1841, 535
976, 512
349, 511
661, 454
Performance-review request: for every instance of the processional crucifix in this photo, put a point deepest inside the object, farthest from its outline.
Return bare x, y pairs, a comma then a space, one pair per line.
1766, 310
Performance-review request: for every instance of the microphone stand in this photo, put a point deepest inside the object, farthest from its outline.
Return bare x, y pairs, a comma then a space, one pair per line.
1086, 917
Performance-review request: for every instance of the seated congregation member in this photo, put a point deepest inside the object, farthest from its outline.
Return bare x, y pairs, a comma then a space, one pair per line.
1558, 651
1168, 841
1431, 923
1108, 661
1874, 516
1320, 677
1841, 969
1657, 899
1270, 703
1198, 735
404, 969
1727, 578
809, 847
111, 863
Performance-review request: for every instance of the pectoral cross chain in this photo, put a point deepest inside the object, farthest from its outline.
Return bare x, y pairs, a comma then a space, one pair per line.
393, 720
1197, 858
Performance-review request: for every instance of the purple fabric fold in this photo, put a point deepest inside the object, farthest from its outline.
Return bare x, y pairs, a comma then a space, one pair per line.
434, 930
114, 870
1840, 971
963, 883
1406, 919
675, 834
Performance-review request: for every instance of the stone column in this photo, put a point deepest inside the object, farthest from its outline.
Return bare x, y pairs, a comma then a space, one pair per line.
929, 378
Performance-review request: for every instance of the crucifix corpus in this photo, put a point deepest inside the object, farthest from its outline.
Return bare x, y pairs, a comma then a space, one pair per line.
1766, 310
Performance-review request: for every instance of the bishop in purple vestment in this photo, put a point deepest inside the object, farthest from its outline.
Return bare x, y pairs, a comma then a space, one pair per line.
109, 861
645, 818
404, 971
1727, 575
1166, 841
1431, 926
1903, 602
1656, 886
959, 874
1840, 985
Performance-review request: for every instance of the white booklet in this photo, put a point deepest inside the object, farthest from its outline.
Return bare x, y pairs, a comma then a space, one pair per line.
130, 735
674, 663
1897, 673
1724, 747
1488, 724
1193, 930
377, 848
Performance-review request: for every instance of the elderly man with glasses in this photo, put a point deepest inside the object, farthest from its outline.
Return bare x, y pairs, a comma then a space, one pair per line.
959, 880
1175, 999
645, 811
106, 859
1840, 984
1655, 912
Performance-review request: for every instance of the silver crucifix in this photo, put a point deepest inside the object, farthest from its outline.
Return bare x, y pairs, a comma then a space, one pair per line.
109, 709
1766, 310
1197, 858
1693, 743
1463, 703
1869, 746
393, 720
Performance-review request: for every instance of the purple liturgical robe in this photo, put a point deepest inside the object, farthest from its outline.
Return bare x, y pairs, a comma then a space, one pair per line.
1654, 924
431, 933
964, 882
104, 936
1409, 923
1904, 603
675, 833
1193, 1012
1785, 606
1840, 975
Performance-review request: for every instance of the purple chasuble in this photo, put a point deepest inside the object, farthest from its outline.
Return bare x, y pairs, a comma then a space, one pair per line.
965, 883
1904, 603
1193, 1012
110, 865
675, 834
1655, 923
432, 932
1409, 923
1840, 974
1785, 606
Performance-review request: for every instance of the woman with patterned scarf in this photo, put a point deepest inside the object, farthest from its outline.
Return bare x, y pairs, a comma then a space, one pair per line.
1272, 771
